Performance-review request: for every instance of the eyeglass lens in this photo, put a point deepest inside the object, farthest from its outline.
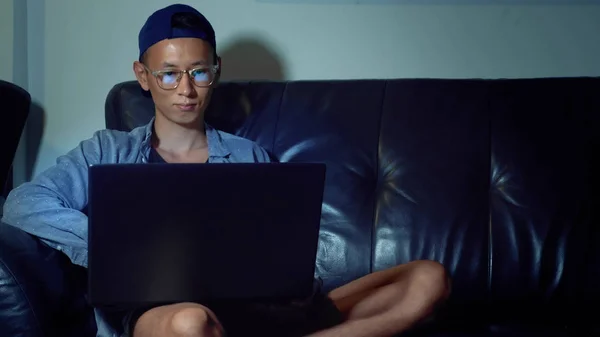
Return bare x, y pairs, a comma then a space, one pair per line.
170, 79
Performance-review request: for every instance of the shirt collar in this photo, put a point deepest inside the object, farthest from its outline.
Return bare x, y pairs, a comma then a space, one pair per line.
216, 146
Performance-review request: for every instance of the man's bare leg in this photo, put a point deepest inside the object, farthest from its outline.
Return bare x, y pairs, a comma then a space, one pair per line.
178, 320
389, 302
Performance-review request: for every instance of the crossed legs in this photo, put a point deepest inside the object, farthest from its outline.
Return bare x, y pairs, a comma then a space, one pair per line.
390, 301
381, 304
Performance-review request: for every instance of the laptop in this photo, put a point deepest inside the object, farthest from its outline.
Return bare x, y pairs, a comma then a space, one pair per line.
168, 233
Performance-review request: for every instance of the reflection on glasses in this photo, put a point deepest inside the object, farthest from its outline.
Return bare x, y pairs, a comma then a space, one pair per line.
202, 77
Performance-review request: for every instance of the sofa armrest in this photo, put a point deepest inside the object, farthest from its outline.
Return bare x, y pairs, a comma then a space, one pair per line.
38, 287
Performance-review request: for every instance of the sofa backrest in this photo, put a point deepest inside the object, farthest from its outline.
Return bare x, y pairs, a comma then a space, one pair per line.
14, 112
492, 178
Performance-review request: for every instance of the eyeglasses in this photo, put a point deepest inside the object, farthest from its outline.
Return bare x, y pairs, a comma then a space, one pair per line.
202, 77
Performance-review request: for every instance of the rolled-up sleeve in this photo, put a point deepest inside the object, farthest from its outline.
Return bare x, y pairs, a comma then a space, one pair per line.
51, 206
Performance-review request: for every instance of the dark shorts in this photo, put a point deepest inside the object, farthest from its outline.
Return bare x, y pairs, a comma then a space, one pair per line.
261, 319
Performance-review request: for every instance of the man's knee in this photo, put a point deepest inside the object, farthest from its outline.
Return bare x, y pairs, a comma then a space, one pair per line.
178, 320
433, 278
190, 322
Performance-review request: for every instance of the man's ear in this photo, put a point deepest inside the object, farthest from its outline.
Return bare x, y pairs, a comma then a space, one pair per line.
141, 74
218, 74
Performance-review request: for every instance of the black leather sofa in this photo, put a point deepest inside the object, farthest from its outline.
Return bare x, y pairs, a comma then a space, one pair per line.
13, 115
496, 179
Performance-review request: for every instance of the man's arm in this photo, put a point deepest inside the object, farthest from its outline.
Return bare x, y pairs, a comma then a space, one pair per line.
51, 206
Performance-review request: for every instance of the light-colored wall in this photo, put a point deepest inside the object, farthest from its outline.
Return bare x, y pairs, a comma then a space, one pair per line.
13, 60
88, 46
21, 60
6, 40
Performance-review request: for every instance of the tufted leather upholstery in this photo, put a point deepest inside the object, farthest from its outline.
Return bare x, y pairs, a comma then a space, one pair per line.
493, 178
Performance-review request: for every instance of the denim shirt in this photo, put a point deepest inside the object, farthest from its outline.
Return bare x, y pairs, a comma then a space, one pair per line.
52, 205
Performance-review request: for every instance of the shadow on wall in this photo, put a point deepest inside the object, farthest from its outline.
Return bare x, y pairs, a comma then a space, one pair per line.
33, 137
247, 59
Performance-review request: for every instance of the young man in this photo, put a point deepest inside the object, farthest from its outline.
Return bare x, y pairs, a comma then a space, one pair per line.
179, 65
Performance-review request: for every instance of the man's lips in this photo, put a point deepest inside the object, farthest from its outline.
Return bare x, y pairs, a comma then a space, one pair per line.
186, 107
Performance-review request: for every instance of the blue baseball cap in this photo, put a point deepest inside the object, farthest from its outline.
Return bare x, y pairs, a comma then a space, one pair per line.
158, 27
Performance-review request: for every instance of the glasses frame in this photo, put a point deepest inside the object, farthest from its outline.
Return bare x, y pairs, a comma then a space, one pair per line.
213, 69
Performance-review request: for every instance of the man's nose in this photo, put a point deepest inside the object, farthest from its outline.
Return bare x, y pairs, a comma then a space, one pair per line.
185, 85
